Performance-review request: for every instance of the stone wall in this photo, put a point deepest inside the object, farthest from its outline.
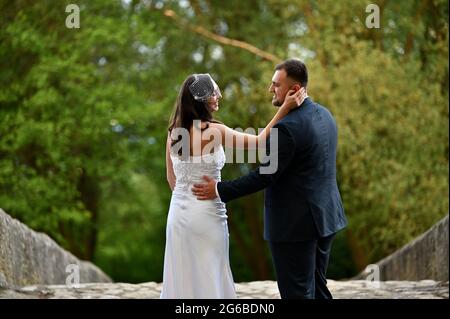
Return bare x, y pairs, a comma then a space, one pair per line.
28, 257
426, 257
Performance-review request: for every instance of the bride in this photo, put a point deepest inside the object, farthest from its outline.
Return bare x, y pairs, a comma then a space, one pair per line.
196, 261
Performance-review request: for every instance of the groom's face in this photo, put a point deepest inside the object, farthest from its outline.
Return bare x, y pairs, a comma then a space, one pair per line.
279, 87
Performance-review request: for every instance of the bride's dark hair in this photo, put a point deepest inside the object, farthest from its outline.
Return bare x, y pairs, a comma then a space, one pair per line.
187, 109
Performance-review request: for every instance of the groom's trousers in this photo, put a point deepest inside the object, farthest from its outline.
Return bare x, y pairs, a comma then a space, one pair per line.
301, 268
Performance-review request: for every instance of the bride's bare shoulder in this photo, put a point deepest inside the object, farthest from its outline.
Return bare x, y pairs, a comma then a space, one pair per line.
218, 126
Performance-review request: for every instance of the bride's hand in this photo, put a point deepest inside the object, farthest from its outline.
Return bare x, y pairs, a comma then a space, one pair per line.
294, 99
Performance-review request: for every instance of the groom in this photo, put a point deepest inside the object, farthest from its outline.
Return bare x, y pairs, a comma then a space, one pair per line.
303, 208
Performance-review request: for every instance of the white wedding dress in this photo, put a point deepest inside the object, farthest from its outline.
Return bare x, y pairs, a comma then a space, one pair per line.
196, 261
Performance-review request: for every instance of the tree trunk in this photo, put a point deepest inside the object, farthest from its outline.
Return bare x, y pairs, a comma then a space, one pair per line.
90, 195
359, 256
252, 217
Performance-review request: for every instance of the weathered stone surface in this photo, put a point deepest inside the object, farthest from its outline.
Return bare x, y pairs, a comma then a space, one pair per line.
357, 289
28, 257
426, 257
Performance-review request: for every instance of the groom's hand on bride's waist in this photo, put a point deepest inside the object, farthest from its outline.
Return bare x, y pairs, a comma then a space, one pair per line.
206, 190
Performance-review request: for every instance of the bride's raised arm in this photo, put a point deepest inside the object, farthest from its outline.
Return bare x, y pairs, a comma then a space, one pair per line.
241, 140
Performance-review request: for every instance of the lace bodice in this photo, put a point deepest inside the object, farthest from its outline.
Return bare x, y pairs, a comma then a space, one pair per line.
191, 171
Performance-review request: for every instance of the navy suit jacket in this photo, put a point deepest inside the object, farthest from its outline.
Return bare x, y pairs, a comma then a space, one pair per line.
302, 199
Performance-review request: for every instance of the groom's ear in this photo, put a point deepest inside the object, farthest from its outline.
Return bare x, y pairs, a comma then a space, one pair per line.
296, 87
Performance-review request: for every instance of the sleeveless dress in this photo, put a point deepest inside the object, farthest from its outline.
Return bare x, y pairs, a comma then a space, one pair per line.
196, 260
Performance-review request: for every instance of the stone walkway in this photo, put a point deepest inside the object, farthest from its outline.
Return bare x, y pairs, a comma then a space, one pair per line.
356, 289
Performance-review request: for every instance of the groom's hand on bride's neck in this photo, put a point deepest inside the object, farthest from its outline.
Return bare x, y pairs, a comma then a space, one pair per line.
206, 190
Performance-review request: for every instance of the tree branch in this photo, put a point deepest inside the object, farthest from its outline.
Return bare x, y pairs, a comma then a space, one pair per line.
221, 39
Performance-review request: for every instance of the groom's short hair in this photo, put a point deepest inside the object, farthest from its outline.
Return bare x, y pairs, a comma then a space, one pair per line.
295, 69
